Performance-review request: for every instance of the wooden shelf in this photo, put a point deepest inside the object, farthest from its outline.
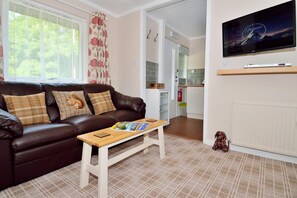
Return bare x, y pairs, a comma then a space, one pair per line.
256, 71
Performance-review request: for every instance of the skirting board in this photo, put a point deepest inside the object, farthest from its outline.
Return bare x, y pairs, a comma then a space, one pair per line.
195, 116
257, 152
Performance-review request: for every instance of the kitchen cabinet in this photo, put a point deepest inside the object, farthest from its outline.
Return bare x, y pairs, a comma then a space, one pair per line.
195, 102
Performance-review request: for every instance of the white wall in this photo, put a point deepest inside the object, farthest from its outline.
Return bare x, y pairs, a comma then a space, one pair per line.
223, 90
128, 55
197, 53
178, 38
152, 46
113, 47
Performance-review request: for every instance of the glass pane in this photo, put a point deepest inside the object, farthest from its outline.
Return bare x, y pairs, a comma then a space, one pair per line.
182, 66
24, 46
51, 51
41, 48
66, 53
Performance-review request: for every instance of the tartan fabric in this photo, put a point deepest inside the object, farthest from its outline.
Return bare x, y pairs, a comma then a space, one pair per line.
71, 103
101, 102
30, 109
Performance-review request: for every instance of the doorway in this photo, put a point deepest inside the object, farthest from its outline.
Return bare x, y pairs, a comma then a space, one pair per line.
170, 64
178, 31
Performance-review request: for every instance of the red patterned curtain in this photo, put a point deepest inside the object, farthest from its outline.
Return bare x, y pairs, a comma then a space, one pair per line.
1, 54
98, 67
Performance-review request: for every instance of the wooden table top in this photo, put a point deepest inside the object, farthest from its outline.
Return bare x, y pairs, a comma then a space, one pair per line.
115, 135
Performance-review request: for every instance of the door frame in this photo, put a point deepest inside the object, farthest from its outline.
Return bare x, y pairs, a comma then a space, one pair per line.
161, 61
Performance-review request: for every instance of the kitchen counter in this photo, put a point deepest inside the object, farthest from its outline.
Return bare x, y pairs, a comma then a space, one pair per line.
185, 86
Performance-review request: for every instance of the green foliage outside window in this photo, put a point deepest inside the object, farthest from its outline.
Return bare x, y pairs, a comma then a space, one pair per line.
42, 49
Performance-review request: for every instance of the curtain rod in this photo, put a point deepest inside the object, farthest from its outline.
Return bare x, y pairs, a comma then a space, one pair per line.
74, 6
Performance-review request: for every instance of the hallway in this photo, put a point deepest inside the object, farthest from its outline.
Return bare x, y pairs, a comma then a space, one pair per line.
185, 127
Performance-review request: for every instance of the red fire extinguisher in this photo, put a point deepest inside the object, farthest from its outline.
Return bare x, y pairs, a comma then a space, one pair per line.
180, 95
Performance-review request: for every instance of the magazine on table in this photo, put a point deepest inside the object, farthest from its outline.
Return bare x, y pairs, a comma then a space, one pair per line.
130, 126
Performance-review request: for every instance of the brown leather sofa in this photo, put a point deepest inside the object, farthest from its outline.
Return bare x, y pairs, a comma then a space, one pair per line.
27, 152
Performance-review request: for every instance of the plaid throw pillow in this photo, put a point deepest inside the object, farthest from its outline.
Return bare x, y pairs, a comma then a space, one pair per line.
71, 103
30, 109
101, 102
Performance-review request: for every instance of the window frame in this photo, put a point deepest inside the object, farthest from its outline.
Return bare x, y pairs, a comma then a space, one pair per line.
83, 44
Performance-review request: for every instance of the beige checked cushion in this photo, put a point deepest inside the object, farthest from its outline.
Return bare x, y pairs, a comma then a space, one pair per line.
30, 109
101, 102
71, 103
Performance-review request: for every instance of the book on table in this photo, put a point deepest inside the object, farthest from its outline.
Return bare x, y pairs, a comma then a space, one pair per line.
130, 126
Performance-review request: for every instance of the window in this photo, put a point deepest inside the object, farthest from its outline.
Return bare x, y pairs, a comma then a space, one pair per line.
43, 46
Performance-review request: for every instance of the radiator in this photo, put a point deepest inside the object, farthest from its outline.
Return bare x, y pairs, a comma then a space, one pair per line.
267, 127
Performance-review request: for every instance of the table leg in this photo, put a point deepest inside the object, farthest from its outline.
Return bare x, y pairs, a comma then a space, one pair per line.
103, 172
86, 159
161, 142
145, 139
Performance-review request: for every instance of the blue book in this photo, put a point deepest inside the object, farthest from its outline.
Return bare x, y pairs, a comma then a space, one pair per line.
143, 126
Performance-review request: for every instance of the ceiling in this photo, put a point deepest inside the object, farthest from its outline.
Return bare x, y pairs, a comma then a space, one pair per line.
119, 7
187, 17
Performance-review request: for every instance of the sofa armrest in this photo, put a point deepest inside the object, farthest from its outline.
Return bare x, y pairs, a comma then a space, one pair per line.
5, 135
127, 102
6, 164
10, 123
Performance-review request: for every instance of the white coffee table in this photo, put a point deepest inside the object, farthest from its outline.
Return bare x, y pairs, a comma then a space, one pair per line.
103, 144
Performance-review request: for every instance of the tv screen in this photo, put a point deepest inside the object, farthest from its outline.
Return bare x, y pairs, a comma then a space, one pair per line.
268, 29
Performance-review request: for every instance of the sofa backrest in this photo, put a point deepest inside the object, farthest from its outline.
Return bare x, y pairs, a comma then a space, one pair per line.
17, 89
20, 88
52, 106
96, 88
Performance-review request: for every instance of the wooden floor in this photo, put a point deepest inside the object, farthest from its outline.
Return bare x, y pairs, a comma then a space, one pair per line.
185, 127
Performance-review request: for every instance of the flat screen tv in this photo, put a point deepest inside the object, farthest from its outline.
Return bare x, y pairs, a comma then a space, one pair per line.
268, 29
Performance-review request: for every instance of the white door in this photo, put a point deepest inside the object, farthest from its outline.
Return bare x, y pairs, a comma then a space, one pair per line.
170, 66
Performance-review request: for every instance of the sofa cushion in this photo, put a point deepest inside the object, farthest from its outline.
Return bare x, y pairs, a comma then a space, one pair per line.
123, 115
71, 103
96, 88
29, 109
42, 134
17, 89
52, 107
89, 123
48, 88
101, 102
